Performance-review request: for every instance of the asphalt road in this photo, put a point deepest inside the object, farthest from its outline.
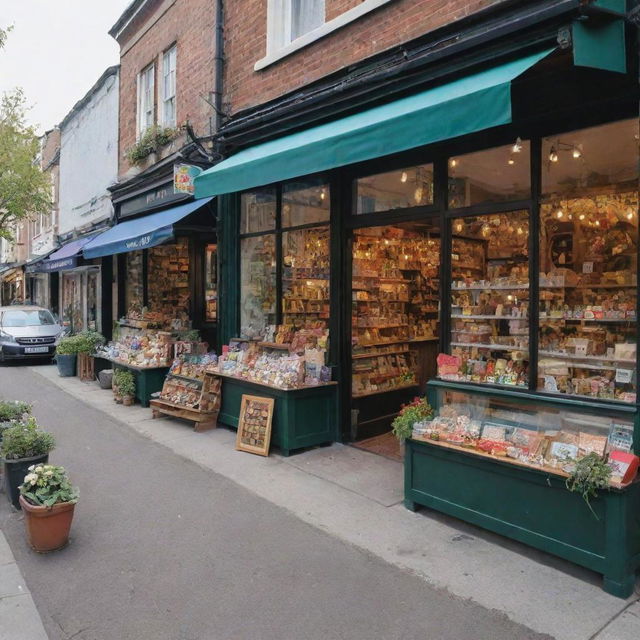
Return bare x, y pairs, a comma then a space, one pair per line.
163, 549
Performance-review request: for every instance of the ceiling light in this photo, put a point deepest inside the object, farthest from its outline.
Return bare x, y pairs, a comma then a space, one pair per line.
517, 147
553, 155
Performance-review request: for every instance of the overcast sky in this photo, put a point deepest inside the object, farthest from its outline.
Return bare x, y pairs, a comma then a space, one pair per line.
56, 51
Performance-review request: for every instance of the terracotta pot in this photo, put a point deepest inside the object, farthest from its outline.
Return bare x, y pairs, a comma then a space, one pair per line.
47, 528
127, 401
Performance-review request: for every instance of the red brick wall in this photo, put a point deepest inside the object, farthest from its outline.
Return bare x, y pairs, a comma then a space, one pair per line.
389, 26
190, 24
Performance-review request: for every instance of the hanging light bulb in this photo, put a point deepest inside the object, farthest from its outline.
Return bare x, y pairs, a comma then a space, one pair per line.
577, 151
403, 177
517, 147
553, 155
323, 194
511, 161
559, 214
453, 163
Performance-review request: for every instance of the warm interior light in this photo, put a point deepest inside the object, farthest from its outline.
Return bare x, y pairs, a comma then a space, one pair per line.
559, 214
511, 161
597, 223
322, 195
453, 163
553, 155
581, 216
517, 147
417, 196
520, 231
577, 151
403, 177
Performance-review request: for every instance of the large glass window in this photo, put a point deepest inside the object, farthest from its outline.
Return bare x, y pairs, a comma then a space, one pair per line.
588, 263
400, 189
492, 175
285, 255
490, 299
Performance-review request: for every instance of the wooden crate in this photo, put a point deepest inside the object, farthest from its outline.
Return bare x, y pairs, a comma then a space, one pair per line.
86, 367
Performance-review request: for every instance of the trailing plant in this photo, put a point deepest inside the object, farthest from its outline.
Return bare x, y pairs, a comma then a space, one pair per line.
89, 341
25, 440
153, 139
46, 485
417, 410
13, 410
68, 346
125, 382
590, 474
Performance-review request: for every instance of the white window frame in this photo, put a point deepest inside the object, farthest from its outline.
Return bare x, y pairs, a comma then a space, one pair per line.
146, 112
169, 66
280, 23
279, 43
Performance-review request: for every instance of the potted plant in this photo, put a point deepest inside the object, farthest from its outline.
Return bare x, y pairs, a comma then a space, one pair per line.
416, 411
66, 356
87, 343
117, 396
589, 475
48, 501
11, 412
127, 387
23, 444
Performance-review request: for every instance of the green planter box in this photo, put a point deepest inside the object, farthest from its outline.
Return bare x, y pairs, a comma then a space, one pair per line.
532, 507
301, 417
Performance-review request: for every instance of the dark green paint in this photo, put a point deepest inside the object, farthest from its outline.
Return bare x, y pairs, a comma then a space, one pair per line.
600, 46
148, 381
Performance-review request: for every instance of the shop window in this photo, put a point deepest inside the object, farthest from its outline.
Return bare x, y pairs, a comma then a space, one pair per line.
258, 284
305, 277
588, 263
258, 210
72, 315
211, 282
134, 286
395, 310
401, 189
490, 299
501, 174
305, 202
93, 296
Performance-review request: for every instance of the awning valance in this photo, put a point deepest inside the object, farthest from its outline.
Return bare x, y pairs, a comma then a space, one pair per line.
464, 106
66, 257
141, 233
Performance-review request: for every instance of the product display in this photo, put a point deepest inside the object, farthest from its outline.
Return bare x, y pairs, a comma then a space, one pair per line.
286, 359
490, 299
395, 305
187, 385
140, 347
588, 296
548, 439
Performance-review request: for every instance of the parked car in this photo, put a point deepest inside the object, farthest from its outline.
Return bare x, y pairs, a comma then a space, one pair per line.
27, 332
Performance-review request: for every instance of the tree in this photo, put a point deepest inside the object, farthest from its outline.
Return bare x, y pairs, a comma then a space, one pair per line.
24, 188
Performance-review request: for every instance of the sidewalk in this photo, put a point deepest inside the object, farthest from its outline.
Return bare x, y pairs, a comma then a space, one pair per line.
357, 497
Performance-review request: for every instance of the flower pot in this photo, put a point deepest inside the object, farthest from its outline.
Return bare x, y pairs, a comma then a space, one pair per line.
14, 473
127, 401
47, 527
66, 365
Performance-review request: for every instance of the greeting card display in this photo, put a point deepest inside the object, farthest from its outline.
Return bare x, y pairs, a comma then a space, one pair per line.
254, 425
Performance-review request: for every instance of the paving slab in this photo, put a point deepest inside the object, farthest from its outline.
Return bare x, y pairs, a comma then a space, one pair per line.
20, 620
625, 626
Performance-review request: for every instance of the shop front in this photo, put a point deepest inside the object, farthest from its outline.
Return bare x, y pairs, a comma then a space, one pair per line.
12, 286
476, 242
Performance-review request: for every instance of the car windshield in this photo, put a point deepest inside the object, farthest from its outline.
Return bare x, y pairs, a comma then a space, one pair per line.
35, 318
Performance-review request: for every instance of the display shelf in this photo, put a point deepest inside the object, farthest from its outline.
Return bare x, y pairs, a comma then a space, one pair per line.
460, 316
358, 356
365, 394
488, 287
495, 347
617, 320
275, 345
572, 356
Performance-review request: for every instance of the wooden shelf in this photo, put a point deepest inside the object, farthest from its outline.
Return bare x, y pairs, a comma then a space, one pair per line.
361, 356
572, 356
276, 345
618, 320
495, 347
460, 316
511, 287
364, 394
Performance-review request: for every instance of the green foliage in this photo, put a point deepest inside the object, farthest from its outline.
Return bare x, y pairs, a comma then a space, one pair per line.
124, 382
417, 410
153, 139
69, 346
89, 341
46, 485
25, 440
24, 188
590, 474
13, 410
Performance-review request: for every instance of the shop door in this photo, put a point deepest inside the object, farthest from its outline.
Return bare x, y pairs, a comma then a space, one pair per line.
395, 293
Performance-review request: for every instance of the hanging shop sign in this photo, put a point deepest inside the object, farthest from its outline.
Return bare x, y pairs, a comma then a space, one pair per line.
183, 178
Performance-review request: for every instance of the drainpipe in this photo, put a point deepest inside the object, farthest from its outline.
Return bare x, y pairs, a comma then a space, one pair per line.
218, 58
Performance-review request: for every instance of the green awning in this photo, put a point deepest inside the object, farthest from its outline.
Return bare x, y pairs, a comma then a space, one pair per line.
467, 105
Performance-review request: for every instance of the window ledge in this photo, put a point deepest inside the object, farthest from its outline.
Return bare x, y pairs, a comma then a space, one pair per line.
324, 30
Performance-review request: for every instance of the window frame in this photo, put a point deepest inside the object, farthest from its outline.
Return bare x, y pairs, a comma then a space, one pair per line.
142, 124
168, 56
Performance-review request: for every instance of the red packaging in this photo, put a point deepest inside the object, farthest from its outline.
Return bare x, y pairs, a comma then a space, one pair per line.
624, 466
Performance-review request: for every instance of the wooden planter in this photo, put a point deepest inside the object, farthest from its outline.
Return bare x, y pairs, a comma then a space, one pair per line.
86, 367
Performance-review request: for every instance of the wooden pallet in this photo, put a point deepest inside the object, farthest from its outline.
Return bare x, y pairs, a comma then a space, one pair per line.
203, 420
85, 367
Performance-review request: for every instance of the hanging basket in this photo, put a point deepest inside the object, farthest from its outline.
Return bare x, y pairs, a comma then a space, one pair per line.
86, 367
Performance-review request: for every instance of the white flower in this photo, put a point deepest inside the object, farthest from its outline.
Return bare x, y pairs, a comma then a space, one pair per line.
32, 467
32, 482
48, 473
39, 469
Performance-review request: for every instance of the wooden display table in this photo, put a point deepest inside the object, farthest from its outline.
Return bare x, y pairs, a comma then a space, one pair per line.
303, 417
149, 380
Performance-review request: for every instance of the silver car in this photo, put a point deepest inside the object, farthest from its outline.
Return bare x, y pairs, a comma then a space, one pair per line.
27, 332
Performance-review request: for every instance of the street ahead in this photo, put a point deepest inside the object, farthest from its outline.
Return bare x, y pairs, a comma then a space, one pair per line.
162, 548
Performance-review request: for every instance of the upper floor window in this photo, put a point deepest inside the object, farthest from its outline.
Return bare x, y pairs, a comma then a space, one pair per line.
288, 20
146, 99
169, 87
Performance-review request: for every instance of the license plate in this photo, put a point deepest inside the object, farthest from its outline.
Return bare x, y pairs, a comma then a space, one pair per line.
36, 349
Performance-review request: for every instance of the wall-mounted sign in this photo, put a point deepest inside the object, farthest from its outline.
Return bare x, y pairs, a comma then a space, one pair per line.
149, 200
183, 177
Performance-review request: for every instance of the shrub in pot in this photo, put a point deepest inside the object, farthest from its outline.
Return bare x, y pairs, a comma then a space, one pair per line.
126, 383
48, 500
88, 341
11, 412
23, 444
67, 355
